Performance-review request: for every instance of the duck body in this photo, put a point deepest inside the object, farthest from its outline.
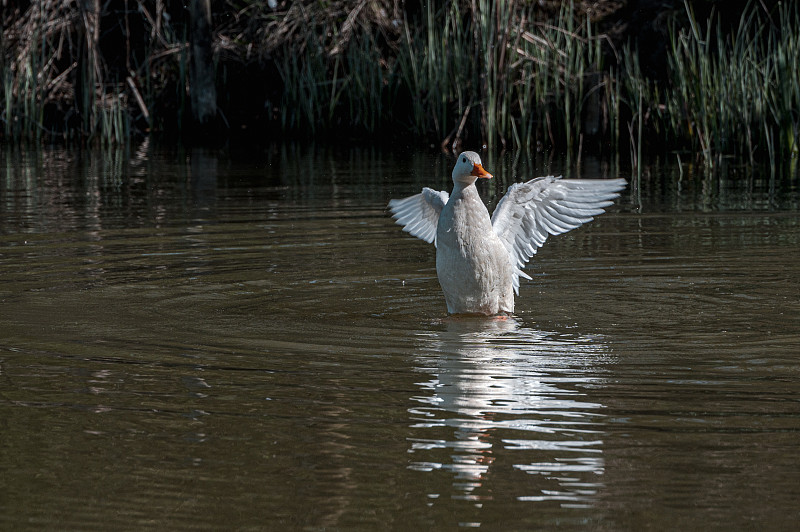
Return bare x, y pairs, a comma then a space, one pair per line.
479, 259
473, 266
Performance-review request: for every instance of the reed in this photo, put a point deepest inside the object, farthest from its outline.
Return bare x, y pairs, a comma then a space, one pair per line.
562, 63
436, 68
529, 80
25, 80
113, 120
370, 94
52, 62
733, 95
309, 97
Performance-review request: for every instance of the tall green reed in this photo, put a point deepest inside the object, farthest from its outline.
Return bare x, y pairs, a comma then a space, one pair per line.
305, 79
530, 80
369, 95
734, 94
562, 63
24, 88
325, 91
436, 66
113, 119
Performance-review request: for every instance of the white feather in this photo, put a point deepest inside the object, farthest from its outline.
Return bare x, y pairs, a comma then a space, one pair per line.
419, 214
531, 211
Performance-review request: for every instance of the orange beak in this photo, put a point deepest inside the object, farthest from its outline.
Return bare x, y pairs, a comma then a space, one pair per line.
478, 171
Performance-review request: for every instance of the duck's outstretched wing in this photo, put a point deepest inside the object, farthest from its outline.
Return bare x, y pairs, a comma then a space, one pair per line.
419, 214
531, 211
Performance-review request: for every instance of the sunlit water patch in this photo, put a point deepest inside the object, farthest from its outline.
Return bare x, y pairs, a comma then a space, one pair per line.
499, 395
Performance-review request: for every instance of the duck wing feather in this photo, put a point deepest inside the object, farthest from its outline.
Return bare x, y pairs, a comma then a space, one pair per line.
531, 211
419, 214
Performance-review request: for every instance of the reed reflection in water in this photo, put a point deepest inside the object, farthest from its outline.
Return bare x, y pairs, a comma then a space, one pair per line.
499, 392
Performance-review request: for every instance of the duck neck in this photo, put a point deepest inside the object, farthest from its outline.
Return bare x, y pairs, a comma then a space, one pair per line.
461, 189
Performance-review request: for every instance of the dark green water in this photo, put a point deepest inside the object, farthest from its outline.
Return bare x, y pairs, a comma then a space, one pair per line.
207, 341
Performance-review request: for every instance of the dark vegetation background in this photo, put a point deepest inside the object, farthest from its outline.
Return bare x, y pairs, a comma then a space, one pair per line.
710, 77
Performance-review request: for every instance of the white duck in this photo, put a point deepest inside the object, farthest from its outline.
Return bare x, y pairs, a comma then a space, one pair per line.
479, 260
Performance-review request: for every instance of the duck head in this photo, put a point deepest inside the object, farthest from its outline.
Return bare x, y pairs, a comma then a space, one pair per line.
468, 168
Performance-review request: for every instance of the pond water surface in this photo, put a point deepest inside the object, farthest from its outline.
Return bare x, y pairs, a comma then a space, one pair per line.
200, 340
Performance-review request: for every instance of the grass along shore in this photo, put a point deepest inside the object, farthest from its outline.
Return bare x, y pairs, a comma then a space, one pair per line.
508, 75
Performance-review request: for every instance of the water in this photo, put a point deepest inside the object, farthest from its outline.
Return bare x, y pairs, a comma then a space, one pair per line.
207, 340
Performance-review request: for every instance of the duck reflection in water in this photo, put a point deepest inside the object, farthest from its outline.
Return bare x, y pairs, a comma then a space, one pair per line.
502, 395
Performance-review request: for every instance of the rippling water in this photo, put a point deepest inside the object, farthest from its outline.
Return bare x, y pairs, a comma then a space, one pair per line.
202, 340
